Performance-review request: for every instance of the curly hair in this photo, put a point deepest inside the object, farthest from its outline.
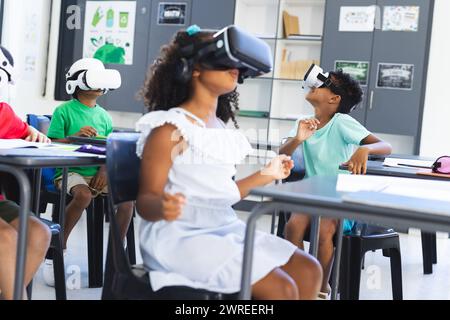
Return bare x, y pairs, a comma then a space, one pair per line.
348, 88
162, 89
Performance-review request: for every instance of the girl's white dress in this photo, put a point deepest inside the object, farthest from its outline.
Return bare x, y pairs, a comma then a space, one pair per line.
204, 247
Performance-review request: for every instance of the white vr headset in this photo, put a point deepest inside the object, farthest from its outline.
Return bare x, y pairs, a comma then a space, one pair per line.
6, 67
90, 74
316, 78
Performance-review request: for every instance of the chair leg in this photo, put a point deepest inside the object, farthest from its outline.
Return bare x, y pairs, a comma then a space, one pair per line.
354, 269
396, 273
29, 290
427, 253
131, 245
434, 248
344, 270
95, 218
58, 268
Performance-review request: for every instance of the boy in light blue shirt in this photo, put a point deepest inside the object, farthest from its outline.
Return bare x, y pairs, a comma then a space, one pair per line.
328, 139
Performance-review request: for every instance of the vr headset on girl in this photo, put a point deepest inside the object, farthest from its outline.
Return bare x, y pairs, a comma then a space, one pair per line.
90, 74
229, 48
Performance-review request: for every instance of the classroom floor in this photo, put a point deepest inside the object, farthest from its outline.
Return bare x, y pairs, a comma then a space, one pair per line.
375, 280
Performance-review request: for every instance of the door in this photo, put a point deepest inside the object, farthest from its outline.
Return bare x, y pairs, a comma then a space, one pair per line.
399, 66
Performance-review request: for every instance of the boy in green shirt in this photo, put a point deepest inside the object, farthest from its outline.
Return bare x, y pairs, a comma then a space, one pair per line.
83, 117
328, 139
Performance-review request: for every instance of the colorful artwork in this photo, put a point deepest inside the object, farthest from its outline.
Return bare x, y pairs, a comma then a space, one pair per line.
109, 31
398, 18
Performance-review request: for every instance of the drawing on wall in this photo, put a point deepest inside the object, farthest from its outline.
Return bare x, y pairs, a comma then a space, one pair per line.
395, 76
401, 18
357, 19
358, 70
109, 29
172, 13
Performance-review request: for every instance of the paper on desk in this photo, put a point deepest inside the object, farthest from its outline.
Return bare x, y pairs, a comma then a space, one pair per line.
417, 188
402, 163
18, 143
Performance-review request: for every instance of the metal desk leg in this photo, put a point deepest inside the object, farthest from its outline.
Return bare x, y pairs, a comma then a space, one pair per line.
314, 236
257, 212
337, 260
25, 201
37, 191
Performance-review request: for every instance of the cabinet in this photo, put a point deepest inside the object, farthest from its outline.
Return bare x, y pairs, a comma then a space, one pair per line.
271, 104
388, 107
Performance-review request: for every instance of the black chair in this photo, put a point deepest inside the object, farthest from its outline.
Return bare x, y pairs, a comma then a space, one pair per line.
95, 214
362, 239
124, 281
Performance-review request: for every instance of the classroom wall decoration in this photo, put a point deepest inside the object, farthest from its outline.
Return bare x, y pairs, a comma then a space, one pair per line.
109, 31
358, 70
172, 13
357, 19
401, 18
395, 76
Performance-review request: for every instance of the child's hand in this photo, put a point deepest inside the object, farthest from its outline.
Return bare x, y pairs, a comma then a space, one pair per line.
358, 162
86, 132
279, 167
35, 136
99, 181
306, 128
172, 206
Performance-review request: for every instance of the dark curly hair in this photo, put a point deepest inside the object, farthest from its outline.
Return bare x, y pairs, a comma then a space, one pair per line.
348, 88
163, 91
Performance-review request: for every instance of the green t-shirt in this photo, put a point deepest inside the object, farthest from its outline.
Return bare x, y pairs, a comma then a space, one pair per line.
331, 146
70, 117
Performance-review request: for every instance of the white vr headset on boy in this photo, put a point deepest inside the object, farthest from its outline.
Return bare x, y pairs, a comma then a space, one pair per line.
231, 48
316, 78
6, 68
90, 74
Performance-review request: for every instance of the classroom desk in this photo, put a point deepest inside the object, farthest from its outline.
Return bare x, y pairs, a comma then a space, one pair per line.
318, 197
428, 239
15, 162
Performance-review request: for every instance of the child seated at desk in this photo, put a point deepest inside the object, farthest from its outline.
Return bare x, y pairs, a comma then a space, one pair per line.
83, 117
328, 139
12, 127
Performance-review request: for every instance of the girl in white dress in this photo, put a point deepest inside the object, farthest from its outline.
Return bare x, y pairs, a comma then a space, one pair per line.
190, 235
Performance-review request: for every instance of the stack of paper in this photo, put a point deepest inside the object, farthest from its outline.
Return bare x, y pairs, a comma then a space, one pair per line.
407, 163
18, 143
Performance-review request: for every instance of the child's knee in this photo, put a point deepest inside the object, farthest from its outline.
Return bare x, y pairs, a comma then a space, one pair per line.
297, 221
8, 237
288, 289
82, 195
327, 229
40, 234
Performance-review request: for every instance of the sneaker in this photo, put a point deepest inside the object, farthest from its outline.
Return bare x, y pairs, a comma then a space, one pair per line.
49, 276
48, 273
324, 296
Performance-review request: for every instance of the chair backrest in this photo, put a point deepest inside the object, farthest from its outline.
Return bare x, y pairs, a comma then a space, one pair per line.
42, 123
39, 122
123, 166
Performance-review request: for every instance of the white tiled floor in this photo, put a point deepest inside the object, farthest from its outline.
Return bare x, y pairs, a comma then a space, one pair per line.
375, 279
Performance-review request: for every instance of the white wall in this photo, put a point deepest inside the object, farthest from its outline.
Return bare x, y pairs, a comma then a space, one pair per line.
29, 96
436, 119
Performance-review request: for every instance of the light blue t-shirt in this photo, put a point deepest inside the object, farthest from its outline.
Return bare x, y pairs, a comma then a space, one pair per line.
331, 146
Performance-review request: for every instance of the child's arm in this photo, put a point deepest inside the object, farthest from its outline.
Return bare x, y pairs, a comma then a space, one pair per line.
279, 168
306, 128
153, 204
369, 145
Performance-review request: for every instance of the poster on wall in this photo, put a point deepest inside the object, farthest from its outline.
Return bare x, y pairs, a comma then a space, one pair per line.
401, 18
172, 13
109, 31
31, 40
395, 76
358, 70
357, 19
